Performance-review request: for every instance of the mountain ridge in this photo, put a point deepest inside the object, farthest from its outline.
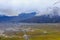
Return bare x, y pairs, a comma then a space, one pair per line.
52, 17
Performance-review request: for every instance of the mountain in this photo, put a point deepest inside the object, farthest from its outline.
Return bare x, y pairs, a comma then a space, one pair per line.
42, 19
20, 17
5, 18
52, 17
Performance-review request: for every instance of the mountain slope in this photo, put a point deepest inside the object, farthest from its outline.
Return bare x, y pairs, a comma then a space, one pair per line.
52, 17
43, 19
20, 17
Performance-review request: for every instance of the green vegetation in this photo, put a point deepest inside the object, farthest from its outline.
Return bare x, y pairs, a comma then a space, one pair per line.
42, 33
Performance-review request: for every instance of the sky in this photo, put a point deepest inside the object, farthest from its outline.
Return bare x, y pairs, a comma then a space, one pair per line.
15, 7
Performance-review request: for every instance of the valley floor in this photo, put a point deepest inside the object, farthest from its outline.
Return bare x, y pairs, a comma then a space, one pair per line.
38, 32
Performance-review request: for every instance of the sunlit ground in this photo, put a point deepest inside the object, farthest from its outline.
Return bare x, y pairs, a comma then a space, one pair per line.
44, 33
35, 34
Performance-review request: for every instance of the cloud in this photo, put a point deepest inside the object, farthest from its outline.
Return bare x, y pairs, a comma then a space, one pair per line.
15, 7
